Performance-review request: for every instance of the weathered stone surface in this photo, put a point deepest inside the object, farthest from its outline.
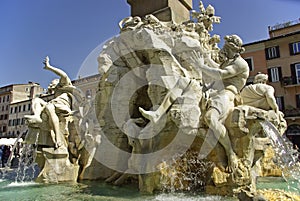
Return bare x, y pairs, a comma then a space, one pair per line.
169, 114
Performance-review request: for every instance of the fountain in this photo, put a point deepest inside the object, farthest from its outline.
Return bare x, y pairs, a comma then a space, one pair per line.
172, 114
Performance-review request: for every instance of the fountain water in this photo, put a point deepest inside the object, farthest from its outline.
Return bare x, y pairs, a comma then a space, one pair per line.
155, 122
286, 157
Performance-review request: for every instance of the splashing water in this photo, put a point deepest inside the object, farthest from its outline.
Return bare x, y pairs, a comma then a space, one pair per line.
286, 157
26, 169
185, 172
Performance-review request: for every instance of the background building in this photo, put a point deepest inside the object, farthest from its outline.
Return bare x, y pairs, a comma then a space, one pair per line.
279, 57
12, 94
88, 85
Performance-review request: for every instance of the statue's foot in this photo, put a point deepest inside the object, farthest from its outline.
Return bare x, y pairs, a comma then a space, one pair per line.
232, 163
151, 115
31, 119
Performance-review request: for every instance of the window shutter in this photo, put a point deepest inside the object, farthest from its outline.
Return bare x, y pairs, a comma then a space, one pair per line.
293, 74
269, 75
280, 73
277, 51
267, 54
282, 103
291, 49
298, 100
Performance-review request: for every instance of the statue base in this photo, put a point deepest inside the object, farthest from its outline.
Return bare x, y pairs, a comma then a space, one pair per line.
57, 166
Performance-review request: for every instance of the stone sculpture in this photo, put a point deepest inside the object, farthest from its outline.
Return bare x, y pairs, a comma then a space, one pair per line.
52, 129
180, 82
169, 100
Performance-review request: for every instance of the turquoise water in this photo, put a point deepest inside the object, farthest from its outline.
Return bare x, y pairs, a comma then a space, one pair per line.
90, 190
278, 183
97, 190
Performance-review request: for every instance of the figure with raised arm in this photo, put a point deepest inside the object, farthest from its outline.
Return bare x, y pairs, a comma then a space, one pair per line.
230, 77
60, 106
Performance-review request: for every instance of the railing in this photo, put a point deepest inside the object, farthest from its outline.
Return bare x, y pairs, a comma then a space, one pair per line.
292, 112
284, 25
289, 81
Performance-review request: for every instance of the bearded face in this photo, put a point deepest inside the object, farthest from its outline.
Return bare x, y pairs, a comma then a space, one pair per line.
52, 86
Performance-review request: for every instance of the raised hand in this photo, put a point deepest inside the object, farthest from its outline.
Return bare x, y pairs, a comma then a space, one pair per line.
46, 63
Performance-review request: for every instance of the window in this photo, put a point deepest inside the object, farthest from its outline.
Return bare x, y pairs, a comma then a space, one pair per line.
16, 109
295, 73
272, 52
298, 100
7, 98
3, 108
5, 116
29, 106
280, 102
11, 110
274, 74
88, 93
24, 108
3, 99
20, 108
9, 123
250, 63
295, 48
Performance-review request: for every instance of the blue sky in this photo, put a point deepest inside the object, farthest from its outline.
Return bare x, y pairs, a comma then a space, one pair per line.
69, 30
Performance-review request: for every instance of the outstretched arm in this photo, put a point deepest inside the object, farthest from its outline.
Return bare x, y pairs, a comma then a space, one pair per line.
64, 79
271, 99
227, 72
224, 73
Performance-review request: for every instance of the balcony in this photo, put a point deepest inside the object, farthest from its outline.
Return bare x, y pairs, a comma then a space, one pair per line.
284, 25
289, 82
292, 113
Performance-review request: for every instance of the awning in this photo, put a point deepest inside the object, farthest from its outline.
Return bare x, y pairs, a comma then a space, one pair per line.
9, 141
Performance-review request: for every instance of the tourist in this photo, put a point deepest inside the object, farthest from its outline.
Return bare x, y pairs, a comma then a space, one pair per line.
6, 154
1, 153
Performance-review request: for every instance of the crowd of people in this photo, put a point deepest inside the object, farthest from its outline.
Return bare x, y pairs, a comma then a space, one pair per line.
5, 151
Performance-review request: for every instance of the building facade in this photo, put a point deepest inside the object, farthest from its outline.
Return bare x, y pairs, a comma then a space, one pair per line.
17, 103
11, 94
279, 57
88, 85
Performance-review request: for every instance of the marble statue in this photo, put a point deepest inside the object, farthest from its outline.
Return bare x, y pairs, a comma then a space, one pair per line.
260, 94
166, 92
63, 137
233, 73
60, 105
177, 81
